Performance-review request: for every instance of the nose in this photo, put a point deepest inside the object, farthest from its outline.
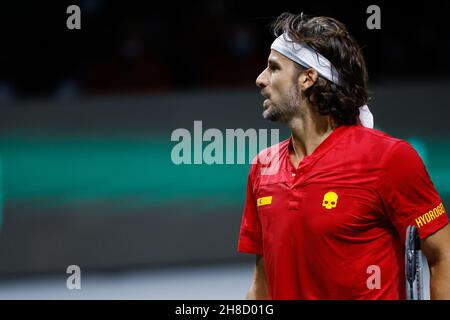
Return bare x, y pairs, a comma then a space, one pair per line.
262, 81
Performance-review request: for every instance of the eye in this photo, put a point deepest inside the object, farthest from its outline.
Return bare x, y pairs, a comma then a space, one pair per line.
273, 68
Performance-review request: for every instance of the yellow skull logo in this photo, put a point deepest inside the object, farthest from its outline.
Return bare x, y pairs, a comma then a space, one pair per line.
330, 200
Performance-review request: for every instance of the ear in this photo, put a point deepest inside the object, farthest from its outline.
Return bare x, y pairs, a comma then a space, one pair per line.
308, 78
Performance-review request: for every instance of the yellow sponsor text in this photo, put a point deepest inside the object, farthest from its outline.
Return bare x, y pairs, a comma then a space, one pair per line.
430, 215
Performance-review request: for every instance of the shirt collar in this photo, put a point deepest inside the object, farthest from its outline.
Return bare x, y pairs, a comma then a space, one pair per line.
326, 144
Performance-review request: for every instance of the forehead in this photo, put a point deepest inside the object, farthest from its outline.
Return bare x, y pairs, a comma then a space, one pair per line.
277, 57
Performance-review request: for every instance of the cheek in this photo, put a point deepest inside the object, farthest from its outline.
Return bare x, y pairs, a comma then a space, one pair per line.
275, 87
280, 83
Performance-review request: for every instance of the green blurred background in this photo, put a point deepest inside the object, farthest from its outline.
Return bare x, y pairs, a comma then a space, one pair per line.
93, 182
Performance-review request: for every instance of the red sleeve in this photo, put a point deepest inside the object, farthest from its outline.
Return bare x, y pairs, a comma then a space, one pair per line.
408, 194
250, 238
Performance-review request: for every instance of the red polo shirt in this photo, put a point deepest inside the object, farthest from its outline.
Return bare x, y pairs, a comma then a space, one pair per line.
334, 226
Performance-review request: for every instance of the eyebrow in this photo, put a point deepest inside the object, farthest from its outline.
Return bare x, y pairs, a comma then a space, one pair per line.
273, 63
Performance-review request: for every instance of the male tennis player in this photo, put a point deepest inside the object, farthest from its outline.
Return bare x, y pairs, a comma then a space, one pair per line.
330, 221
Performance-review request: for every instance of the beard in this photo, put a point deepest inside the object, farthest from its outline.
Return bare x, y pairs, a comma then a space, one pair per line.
286, 108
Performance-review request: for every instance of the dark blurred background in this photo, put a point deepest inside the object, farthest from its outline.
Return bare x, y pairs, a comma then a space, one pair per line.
86, 176
145, 46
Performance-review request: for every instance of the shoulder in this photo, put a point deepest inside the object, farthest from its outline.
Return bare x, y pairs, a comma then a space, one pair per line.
372, 137
378, 142
270, 153
393, 147
394, 154
269, 158
373, 149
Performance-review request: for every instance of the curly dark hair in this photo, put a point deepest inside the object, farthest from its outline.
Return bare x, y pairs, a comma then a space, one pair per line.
331, 39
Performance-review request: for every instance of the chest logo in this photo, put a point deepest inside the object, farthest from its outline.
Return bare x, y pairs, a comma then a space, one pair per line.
330, 200
264, 201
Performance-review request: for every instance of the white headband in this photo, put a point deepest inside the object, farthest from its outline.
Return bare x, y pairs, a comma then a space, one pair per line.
309, 58
306, 56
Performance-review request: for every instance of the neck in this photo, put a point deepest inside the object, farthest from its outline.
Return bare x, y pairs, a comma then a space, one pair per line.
309, 129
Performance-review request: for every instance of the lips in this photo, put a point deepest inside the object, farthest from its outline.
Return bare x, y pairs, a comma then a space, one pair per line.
266, 101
